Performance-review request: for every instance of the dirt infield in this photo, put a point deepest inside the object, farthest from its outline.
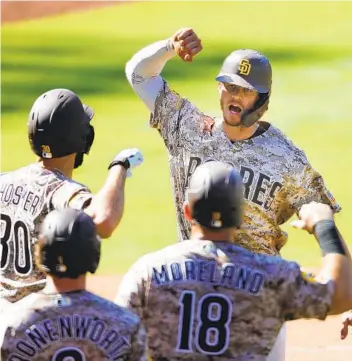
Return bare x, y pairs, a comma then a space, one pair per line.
306, 340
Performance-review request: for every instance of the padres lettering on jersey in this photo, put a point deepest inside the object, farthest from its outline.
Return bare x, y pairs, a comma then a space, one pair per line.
202, 300
27, 195
277, 176
78, 326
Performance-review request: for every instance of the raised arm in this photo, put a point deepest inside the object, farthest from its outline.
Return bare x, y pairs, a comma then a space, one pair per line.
337, 265
143, 70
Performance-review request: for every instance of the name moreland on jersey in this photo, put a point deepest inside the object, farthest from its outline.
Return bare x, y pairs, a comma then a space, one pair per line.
203, 300
73, 326
277, 176
27, 195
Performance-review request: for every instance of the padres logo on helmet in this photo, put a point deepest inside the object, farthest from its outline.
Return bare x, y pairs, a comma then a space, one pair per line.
244, 67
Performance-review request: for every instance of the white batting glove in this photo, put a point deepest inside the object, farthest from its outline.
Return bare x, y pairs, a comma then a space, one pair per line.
129, 159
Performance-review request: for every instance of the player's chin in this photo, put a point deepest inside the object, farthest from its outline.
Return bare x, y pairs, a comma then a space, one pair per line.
233, 120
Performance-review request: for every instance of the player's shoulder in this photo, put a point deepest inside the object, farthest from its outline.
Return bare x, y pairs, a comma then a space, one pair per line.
20, 311
173, 253
281, 142
75, 184
171, 98
114, 310
278, 269
13, 173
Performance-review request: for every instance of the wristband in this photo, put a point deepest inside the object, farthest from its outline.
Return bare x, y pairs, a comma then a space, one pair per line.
328, 237
125, 163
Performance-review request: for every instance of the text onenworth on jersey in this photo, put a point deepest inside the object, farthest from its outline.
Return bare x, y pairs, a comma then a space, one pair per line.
76, 325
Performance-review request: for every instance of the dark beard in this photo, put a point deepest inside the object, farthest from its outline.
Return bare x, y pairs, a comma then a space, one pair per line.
78, 160
240, 125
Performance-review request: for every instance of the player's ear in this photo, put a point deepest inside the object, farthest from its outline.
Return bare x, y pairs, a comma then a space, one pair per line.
219, 87
187, 211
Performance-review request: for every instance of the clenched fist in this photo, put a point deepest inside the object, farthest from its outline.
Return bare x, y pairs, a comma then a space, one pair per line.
186, 44
310, 214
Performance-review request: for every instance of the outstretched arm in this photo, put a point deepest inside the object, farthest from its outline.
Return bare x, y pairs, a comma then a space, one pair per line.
143, 70
317, 218
107, 206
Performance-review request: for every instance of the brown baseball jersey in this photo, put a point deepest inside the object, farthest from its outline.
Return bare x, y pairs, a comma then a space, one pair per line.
75, 326
277, 176
203, 300
27, 195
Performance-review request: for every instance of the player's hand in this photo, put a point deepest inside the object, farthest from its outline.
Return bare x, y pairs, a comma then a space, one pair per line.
346, 322
133, 156
186, 44
310, 214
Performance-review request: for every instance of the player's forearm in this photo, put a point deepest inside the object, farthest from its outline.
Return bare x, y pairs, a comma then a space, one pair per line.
339, 269
143, 70
150, 61
107, 206
337, 266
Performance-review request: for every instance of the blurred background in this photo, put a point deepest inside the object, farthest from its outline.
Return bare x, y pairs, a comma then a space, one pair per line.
84, 46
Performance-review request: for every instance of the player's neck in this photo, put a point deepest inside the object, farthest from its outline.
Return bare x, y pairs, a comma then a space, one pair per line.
239, 133
62, 285
63, 164
201, 233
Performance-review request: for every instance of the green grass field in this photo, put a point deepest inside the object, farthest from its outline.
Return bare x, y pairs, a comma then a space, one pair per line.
307, 43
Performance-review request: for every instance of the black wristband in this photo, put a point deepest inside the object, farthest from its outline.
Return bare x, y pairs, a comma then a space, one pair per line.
328, 237
125, 163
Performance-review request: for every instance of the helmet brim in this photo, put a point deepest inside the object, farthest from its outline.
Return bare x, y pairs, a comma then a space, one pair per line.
89, 112
238, 80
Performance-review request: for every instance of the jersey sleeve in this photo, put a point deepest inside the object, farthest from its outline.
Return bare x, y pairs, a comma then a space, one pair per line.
302, 295
132, 289
177, 119
139, 344
71, 194
311, 188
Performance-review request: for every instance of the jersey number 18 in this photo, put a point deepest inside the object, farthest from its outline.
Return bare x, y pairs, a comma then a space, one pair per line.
212, 334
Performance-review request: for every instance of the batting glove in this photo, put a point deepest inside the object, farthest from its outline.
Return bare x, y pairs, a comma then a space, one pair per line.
129, 159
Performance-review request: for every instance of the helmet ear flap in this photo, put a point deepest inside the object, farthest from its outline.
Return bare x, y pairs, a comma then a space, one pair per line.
94, 262
250, 116
89, 138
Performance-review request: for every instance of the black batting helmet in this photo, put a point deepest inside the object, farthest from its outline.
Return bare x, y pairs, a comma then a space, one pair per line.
252, 70
59, 125
68, 244
215, 195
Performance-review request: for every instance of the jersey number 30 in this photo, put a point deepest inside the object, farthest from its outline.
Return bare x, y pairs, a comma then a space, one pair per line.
18, 234
212, 333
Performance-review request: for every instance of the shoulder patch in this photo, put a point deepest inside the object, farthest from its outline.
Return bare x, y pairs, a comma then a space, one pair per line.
309, 277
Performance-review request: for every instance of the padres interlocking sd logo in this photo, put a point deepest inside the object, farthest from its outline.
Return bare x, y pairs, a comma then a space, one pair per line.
245, 67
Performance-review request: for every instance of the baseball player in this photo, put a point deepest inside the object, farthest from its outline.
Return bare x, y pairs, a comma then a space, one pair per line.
277, 176
64, 321
207, 298
60, 133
